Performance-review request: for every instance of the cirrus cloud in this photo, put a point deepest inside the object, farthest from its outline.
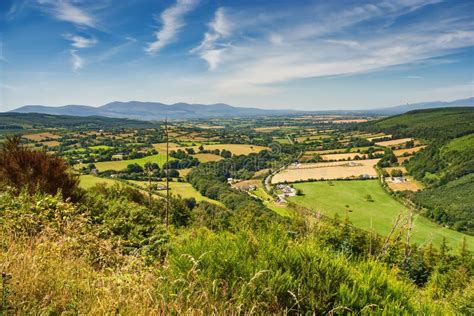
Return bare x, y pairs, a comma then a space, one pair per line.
172, 20
65, 10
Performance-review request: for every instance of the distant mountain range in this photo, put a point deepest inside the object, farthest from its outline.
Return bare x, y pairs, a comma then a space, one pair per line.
421, 106
158, 111
153, 110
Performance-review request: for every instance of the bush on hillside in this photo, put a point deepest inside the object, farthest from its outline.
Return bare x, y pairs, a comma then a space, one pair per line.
22, 168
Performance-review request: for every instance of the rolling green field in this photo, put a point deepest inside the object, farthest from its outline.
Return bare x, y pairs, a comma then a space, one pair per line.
122, 164
184, 189
88, 181
268, 202
378, 215
100, 147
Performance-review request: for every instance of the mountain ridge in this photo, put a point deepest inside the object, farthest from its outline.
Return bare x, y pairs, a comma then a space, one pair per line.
156, 110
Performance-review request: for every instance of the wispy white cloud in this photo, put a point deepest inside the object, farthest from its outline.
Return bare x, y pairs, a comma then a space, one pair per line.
336, 45
65, 10
212, 48
415, 77
76, 60
80, 41
172, 20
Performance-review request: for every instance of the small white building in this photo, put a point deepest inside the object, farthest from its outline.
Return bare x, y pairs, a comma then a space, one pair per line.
117, 157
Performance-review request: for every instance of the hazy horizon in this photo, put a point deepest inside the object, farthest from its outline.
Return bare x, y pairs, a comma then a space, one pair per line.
242, 106
311, 56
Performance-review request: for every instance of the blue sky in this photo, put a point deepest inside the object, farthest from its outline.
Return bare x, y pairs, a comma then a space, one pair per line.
301, 54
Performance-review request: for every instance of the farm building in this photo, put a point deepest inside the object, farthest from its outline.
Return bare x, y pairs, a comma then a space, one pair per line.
117, 157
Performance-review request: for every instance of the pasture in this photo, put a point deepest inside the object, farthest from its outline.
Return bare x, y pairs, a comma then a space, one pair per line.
183, 189
268, 201
379, 215
122, 164
88, 181
327, 171
100, 147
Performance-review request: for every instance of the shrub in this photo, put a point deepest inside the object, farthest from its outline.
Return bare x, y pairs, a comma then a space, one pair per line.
24, 168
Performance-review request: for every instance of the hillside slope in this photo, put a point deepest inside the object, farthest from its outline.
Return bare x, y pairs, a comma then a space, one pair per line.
424, 105
431, 124
18, 121
445, 166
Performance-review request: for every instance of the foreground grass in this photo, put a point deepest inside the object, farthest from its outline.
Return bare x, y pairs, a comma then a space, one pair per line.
331, 198
60, 265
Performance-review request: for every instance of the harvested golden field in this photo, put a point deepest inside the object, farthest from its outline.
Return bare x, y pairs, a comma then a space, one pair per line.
370, 138
350, 121
409, 185
207, 157
394, 142
346, 156
41, 136
51, 143
403, 159
260, 174
236, 149
324, 152
267, 129
400, 152
246, 183
311, 137
161, 147
205, 126
327, 171
184, 172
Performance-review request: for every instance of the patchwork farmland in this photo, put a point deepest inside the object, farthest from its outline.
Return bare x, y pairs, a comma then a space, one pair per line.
327, 171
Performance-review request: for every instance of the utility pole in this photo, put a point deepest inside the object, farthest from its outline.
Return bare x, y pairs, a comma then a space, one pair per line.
148, 167
167, 175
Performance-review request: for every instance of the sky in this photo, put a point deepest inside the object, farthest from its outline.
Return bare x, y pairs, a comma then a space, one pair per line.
292, 54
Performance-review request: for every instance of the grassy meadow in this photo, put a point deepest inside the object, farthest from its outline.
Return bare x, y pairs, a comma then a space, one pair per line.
88, 181
183, 189
331, 198
122, 164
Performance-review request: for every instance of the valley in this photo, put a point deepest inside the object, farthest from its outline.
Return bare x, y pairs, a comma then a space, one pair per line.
361, 186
